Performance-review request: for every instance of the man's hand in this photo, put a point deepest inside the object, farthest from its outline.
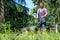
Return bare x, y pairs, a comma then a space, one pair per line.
37, 15
42, 16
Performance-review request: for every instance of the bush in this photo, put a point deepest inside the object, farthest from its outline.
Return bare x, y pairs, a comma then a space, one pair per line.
6, 26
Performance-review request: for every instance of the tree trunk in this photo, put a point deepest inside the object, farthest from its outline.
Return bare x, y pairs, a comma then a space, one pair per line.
2, 19
58, 13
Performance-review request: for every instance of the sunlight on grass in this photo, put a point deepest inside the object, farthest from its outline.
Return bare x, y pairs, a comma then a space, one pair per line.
30, 36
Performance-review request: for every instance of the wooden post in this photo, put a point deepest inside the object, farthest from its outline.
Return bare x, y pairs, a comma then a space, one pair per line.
53, 28
56, 28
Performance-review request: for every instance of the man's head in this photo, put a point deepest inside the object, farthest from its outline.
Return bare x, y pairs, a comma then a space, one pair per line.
41, 4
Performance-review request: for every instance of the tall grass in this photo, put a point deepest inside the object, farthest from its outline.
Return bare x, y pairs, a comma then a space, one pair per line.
31, 35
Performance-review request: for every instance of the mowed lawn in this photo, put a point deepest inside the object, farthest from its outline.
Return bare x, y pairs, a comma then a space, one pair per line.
31, 35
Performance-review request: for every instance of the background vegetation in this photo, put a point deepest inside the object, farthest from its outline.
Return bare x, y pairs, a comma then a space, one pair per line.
14, 16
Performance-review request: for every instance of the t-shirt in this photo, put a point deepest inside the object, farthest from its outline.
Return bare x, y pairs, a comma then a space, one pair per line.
41, 12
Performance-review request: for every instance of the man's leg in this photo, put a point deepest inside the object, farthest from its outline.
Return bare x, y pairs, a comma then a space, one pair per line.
44, 26
40, 25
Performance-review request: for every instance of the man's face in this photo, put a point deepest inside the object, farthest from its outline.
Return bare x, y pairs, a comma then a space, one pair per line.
41, 5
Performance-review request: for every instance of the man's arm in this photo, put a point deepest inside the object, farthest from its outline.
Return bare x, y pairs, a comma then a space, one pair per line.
38, 13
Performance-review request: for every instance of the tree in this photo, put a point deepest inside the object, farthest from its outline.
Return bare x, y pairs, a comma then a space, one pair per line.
15, 13
2, 19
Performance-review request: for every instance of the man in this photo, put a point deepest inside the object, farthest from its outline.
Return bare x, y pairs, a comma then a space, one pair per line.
41, 14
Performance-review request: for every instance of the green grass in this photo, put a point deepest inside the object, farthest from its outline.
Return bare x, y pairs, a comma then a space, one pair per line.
29, 36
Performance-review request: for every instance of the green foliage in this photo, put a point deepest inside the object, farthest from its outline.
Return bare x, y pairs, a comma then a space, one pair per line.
6, 26
29, 36
16, 14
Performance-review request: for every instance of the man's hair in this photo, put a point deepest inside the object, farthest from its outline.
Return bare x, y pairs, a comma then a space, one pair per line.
42, 3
